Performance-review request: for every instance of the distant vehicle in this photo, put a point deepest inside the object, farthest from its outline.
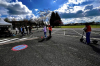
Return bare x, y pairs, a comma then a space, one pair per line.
5, 32
34, 26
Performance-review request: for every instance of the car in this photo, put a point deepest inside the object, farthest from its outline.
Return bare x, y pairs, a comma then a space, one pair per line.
5, 32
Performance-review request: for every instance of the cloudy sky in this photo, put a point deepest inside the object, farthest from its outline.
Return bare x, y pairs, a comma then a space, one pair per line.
70, 11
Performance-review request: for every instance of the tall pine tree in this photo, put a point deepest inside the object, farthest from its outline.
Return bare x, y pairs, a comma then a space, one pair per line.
55, 19
58, 21
52, 18
58, 17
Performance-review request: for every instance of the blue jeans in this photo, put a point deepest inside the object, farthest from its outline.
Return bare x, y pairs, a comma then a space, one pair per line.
45, 34
88, 37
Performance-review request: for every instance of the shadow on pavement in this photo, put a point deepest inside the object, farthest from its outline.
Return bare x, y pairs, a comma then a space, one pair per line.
48, 38
96, 47
42, 39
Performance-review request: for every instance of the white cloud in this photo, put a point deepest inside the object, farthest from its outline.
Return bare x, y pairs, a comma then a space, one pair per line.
77, 8
3, 11
6, 0
36, 9
54, 1
16, 0
67, 8
21, 17
81, 20
63, 8
66, 21
15, 8
76, 1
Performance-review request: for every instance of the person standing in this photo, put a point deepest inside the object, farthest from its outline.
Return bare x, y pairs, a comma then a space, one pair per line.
50, 29
87, 29
16, 30
21, 31
27, 29
45, 30
30, 29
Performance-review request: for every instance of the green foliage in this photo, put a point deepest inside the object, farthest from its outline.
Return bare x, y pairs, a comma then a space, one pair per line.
80, 26
6, 19
55, 19
52, 18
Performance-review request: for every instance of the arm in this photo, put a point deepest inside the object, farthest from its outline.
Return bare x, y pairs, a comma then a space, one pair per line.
84, 28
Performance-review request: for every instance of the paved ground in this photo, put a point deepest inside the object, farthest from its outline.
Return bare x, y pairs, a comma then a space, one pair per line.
63, 49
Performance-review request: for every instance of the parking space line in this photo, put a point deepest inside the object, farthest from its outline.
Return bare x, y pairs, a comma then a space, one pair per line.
23, 39
54, 31
79, 33
96, 33
67, 35
85, 37
3, 40
64, 31
73, 48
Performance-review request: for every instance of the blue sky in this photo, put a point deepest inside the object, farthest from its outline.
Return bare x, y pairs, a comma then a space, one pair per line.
70, 11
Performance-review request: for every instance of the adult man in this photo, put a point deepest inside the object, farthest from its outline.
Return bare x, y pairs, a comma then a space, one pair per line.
50, 29
87, 29
22, 30
30, 28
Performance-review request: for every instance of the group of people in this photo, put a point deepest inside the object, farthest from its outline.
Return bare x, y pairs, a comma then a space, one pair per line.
45, 30
22, 30
87, 29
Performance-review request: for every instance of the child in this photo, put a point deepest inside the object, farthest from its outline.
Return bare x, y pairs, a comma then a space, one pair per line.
45, 30
50, 29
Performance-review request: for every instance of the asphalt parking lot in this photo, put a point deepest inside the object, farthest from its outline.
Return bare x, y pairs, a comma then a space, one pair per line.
63, 49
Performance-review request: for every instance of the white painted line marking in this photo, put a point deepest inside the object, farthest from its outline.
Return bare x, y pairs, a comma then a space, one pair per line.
4, 39
73, 48
64, 31
42, 45
30, 36
23, 39
95, 33
54, 31
79, 33
14, 38
94, 55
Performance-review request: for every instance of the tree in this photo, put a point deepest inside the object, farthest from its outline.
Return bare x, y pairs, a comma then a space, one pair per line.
44, 15
58, 17
13, 19
55, 19
7, 20
58, 21
52, 19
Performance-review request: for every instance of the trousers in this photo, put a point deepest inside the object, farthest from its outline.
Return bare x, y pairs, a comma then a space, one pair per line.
88, 37
49, 33
45, 34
